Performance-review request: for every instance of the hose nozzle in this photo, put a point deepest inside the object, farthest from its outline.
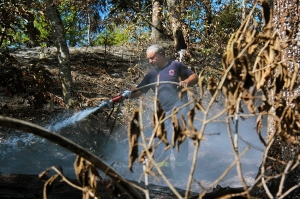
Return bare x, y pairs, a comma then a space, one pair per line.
126, 94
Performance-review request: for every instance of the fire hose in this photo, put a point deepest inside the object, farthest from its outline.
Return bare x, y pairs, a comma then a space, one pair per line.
125, 95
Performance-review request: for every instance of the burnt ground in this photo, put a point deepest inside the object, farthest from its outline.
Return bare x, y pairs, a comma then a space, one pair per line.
30, 91
30, 88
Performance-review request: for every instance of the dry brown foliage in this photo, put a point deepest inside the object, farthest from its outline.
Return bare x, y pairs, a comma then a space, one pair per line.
133, 135
160, 130
255, 82
254, 76
253, 62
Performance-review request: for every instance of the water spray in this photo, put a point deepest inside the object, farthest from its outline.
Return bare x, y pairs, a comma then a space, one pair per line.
105, 104
84, 113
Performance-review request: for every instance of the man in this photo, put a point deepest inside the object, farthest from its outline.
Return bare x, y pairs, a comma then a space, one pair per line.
167, 71
171, 71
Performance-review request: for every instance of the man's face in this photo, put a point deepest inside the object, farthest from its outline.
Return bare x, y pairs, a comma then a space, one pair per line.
155, 59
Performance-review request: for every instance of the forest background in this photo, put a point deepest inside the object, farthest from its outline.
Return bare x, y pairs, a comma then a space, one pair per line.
205, 32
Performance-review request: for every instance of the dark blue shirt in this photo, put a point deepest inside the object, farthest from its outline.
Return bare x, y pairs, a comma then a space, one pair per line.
167, 93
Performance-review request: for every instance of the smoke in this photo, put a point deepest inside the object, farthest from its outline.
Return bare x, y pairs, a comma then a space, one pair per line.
214, 155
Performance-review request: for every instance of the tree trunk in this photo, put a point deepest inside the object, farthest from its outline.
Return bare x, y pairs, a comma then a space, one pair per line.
157, 28
2, 33
174, 10
62, 50
208, 17
281, 170
32, 32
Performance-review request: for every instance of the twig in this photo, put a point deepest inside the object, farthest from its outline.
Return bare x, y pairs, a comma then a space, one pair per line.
150, 143
236, 151
263, 168
224, 173
70, 183
216, 116
283, 178
289, 191
193, 166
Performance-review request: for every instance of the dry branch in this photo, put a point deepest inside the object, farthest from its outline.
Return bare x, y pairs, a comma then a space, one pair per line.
73, 147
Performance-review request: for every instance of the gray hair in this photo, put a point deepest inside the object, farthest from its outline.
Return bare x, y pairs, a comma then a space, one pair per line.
156, 49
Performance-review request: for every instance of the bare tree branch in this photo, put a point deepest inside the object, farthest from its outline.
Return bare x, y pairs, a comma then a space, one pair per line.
71, 146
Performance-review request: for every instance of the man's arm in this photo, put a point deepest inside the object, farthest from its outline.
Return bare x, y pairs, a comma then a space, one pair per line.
190, 81
136, 93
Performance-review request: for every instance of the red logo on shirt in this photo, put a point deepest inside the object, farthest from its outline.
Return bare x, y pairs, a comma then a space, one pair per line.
171, 72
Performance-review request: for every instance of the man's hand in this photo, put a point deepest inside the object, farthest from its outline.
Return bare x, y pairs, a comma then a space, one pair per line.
183, 84
126, 94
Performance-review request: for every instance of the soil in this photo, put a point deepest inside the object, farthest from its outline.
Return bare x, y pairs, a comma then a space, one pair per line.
30, 88
20, 186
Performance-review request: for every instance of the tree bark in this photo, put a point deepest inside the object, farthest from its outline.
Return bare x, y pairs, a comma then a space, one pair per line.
208, 17
62, 50
32, 32
174, 10
157, 28
281, 170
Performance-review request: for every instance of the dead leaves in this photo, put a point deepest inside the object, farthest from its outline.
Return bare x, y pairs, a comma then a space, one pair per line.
253, 62
212, 85
48, 185
133, 135
181, 129
161, 131
86, 174
178, 136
